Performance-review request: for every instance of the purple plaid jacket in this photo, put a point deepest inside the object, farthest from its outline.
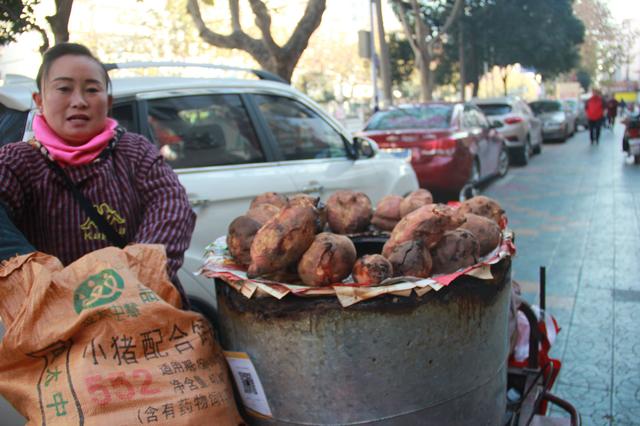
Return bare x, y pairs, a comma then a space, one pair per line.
132, 187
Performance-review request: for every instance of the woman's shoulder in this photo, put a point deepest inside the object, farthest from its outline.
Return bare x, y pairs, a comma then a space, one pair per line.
135, 142
19, 152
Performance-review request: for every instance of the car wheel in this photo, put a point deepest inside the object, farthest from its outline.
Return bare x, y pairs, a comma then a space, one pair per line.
522, 155
503, 162
636, 159
538, 148
470, 190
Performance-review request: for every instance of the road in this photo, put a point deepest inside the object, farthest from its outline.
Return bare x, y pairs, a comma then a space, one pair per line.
575, 209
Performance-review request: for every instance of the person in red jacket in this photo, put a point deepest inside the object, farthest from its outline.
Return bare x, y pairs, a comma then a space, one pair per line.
594, 109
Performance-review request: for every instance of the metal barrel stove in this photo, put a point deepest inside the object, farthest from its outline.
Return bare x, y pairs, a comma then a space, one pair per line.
436, 360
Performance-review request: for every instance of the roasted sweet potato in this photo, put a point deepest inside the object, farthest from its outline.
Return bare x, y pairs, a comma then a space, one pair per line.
372, 269
410, 258
383, 224
274, 198
486, 231
241, 232
262, 213
457, 249
426, 224
303, 199
348, 212
414, 201
483, 206
387, 214
328, 260
283, 240
389, 207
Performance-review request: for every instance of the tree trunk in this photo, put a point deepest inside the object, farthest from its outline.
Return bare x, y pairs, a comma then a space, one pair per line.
461, 60
60, 21
385, 65
280, 60
505, 76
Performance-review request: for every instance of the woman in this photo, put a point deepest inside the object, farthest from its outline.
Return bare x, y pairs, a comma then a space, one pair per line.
132, 195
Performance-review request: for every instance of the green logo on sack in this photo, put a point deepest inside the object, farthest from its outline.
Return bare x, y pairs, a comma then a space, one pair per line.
99, 289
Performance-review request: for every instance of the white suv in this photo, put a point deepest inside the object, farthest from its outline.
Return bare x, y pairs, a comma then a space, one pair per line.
514, 120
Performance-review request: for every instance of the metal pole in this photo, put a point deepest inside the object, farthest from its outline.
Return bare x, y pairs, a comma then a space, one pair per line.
374, 72
543, 289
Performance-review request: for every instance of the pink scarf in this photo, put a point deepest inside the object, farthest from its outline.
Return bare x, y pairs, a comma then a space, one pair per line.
69, 155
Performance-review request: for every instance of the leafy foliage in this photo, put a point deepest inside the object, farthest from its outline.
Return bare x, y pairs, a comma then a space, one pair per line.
16, 17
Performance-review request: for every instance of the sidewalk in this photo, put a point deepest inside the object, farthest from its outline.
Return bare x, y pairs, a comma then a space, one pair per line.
575, 209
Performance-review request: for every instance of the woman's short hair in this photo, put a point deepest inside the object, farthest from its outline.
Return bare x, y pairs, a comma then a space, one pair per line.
63, 49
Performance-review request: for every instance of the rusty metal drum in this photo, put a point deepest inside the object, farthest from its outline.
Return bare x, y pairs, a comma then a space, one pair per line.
435, 360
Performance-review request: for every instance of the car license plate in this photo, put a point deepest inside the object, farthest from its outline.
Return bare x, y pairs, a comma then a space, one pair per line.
634, 146
397, 152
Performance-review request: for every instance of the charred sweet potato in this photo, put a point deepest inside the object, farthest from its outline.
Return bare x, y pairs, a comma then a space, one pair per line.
274, 198
414, 201
328, 260
486, 231
457, 249
262, 213
372, 269
348, 212
241, 232
483, 206
426, 224
283, 240
410, 258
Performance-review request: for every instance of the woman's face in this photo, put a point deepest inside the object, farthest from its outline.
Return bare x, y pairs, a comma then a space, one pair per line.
74, 98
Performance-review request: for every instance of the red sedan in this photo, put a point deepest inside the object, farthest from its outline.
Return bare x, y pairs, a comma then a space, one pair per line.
453, 146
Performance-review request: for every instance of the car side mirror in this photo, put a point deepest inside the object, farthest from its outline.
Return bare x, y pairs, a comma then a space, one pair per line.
364, 147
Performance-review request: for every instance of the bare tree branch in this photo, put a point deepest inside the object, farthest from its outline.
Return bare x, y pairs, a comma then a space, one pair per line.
271, 56
236, 40
60, 21
308, 24
234, 7
263, 21
455, 11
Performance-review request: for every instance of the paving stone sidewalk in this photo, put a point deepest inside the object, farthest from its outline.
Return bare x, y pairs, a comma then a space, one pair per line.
575, 209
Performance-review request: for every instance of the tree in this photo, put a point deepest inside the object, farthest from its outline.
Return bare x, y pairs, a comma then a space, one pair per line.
280, 60
402, 59
424, 24
540, 34
602, 50
17, 17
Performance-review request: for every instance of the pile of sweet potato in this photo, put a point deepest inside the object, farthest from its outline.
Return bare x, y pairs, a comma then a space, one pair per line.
297, 238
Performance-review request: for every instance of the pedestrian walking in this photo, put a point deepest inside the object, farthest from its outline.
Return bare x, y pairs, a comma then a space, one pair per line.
594, 110
612, 111
83, 182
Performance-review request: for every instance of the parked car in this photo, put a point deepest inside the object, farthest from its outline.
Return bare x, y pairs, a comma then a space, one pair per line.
517, 123
570, 109
577, 109
556, 123
453, 147
230, 140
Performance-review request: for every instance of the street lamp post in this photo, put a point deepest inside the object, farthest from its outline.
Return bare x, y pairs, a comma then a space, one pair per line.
374, 58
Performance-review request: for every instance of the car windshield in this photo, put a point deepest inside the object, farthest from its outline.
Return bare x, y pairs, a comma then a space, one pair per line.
545, 106
419, 117
495, 109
